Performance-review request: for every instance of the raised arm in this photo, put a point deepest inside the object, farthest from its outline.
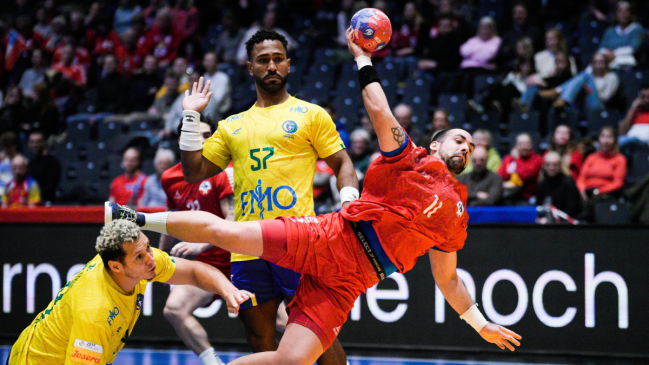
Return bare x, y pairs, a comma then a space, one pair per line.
195, 167
388, 131
209, 279
444, 267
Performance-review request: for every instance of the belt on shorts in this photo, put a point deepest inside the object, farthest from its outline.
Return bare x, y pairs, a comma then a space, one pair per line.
369, 240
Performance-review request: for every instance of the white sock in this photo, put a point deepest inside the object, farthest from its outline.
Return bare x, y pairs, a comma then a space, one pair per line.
209, 357
156, 222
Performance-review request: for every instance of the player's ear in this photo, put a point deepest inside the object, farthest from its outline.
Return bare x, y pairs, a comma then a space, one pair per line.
249, 65
289, 64
115, 266
434, 147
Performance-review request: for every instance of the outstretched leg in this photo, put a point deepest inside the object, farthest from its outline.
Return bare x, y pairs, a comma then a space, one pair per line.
195, 226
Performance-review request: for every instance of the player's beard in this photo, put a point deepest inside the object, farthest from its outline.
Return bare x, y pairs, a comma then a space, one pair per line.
454, 165
271, 88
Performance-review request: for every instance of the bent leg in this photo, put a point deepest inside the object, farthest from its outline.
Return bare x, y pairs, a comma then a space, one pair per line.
299, 346
197, 226
571, 88
181, 303
259, 323
335, 355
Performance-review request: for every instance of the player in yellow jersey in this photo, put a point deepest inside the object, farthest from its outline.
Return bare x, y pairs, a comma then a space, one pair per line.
274, 147
93, 315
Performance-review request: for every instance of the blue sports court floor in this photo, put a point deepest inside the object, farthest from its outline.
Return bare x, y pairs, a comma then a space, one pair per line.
183, 357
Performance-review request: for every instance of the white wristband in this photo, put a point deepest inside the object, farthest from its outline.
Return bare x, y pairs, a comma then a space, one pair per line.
348, 194
473, 317
190, 136
362, 61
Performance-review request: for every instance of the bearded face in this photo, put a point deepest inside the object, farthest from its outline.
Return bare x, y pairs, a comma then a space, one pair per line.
272, 83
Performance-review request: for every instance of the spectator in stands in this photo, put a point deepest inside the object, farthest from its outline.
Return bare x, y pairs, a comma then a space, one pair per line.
162, 105
483, 138
192, 51
520, 171
439, 50
603, 173
9, 145
622, 41
129, 54
42, 26
128, 187
103, 40
185, 17
269, 23
23, 190
124, 14
55, 39
14, 115
359, 151
634, 128
34, 75
45, 111
343, 21
521, 28
228, 41
557, 188
81, 55
440, 121
544, 61
18, 56
485, 187
78, 27
599, 84
479, 54
221, 98
163, 38
562, 73
366, 125
340, 127
180, 67
70, 79
112, 87
564, 143
322, 185
145, 85
504, 95
405, 37
403, 114
153, 195
152, 10
43, 167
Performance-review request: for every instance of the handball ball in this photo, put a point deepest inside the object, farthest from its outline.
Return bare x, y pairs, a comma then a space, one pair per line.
371, 28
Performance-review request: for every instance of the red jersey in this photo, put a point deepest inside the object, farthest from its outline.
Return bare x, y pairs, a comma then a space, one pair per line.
75, 73
415, 204
163, 46
126, 190
205, 195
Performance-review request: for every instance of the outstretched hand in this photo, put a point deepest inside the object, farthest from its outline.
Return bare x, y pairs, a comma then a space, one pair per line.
500, 336
183, 249
199, 97
235, 298
354, 48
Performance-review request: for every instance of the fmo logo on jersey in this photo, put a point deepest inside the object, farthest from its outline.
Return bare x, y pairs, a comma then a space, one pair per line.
264, 199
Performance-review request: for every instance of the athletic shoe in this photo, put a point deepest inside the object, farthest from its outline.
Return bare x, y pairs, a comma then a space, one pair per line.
113, 211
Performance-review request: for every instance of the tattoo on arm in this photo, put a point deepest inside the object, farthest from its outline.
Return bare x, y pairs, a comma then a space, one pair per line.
230, 216
399, 135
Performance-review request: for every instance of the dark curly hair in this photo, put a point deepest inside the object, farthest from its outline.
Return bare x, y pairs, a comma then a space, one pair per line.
263, 35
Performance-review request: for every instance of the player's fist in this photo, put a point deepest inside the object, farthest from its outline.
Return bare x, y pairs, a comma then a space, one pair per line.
354, 48
199, 97
235, 298
500, 336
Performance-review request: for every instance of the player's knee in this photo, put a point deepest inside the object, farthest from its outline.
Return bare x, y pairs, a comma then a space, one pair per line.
173, 310
294, 357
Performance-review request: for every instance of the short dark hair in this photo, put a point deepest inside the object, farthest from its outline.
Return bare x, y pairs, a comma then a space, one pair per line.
8, 139
439, 136
262, 35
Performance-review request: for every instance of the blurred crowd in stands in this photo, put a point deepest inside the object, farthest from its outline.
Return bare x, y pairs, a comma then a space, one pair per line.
555, 92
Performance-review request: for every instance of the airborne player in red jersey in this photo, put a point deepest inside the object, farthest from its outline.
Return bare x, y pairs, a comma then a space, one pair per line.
411, 204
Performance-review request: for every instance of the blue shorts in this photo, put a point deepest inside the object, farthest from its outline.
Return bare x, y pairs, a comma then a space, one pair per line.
264, 279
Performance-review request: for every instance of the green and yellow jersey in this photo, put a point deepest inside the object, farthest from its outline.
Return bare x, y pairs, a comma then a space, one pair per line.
89, 321
274, 152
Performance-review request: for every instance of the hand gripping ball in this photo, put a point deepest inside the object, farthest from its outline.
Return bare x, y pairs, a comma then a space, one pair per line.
371, 28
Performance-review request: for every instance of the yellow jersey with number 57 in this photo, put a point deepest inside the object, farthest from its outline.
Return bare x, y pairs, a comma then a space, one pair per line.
274, 152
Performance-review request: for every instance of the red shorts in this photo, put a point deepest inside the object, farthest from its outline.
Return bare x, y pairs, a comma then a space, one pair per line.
218, 258
334, 268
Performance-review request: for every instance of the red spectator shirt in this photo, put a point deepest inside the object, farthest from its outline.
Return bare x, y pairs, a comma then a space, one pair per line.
125, 190
527, 168
322, 167
415, 205
102, 44
163, 46
205, 196
641, 117
603, 171
81, 57
130, 61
